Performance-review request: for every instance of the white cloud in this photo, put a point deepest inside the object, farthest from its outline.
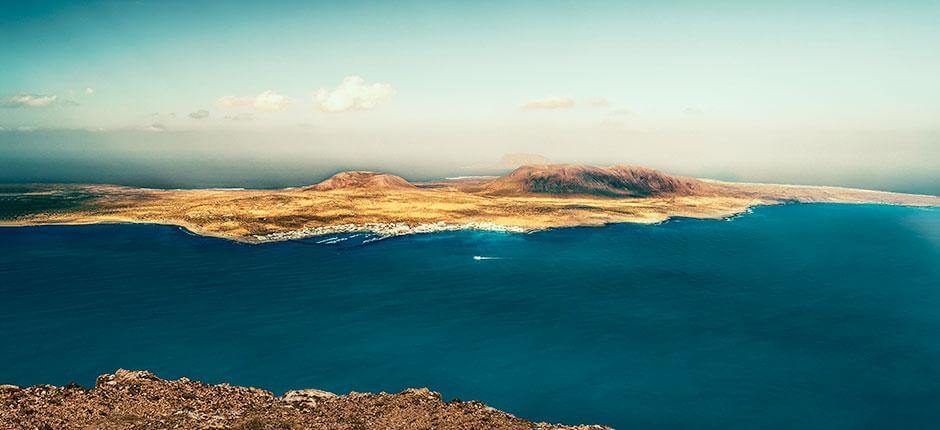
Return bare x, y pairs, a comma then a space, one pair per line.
24, 100
549, 103
353, 94
599, 102
622, 112
89, 91
268, 101
229, 102
156, 127
240, 117
199, 114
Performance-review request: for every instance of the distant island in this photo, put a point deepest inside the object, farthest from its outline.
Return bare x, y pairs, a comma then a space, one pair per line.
529, 198
139, 399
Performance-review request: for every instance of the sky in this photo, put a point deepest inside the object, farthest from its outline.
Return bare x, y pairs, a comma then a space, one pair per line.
194, 93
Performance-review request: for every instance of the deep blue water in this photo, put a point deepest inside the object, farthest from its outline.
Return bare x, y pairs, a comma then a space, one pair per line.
795, 316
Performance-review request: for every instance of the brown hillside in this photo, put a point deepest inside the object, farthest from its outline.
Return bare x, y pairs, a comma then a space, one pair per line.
363, 180
616, 181
138, 400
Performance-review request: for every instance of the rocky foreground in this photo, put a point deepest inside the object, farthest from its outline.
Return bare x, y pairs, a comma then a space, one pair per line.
140, 400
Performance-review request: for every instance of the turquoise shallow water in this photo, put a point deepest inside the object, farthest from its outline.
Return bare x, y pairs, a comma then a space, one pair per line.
795, 316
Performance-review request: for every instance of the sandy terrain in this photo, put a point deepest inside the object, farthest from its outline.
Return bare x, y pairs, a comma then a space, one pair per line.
384, 204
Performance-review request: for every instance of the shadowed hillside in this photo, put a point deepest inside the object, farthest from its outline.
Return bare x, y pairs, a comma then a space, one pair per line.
616, 181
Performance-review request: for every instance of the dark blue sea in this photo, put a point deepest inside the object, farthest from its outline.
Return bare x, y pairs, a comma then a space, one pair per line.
794, 316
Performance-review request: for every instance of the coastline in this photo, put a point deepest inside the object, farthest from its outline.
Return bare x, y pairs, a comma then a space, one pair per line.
383, 231
380, 230
387, 206
387, 230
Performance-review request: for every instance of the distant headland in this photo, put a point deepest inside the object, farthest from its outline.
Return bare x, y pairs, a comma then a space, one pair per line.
529, 198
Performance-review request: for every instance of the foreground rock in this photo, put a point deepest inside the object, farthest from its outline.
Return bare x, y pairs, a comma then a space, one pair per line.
140, 400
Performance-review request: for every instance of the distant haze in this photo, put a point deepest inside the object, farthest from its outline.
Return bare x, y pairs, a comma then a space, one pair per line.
191, 94
905, 162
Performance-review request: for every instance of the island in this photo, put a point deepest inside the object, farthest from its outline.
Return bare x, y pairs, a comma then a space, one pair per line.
529, 198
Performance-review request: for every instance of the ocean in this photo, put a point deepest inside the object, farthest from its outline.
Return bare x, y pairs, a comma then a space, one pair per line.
810, 316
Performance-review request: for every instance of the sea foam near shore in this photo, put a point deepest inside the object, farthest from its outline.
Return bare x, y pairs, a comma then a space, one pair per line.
385, 230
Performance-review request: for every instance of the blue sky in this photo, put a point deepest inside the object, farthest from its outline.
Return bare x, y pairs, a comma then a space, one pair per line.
720, 70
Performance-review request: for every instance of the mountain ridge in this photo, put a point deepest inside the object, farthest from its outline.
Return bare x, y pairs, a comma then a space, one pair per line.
580, 179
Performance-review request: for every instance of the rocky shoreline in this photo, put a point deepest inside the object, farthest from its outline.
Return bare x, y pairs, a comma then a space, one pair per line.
385, 230
140, 400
